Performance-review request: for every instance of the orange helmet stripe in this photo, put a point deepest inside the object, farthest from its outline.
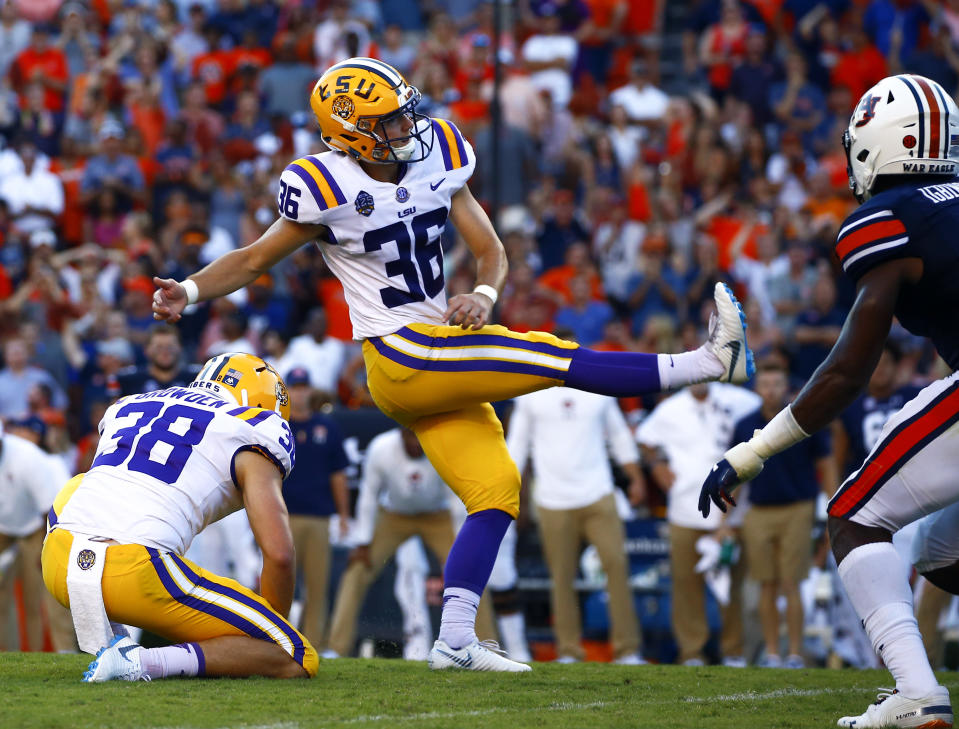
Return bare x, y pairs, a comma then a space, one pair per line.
329, 190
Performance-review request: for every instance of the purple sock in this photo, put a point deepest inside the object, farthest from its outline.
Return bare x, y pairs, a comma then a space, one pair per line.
619, 374
471, 559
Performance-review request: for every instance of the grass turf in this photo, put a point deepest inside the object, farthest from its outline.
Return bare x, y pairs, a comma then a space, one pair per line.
44, 690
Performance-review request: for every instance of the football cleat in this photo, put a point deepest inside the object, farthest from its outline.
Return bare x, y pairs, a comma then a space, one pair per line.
892, 709
727, 337
119, 661
630, 659
485, 656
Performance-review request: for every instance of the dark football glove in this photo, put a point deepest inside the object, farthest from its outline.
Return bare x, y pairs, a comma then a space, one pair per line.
725, 476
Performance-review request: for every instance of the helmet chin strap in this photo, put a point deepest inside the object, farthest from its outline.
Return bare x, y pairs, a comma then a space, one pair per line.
406, 151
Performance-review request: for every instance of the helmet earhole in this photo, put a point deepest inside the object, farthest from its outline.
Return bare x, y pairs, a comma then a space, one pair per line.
862, 155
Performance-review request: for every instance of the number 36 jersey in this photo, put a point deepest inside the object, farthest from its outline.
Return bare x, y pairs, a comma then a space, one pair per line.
164, 467
383, 239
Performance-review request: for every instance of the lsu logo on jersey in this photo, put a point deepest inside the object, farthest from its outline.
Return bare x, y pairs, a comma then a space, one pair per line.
364, 203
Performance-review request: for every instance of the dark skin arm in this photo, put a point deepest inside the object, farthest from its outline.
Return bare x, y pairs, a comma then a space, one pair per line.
846, 371
833, 387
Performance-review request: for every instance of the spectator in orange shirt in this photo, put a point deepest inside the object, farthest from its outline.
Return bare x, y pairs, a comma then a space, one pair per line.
41, 62
599, 33
861, 65
213, 68
526, 307
723, 45
578, 263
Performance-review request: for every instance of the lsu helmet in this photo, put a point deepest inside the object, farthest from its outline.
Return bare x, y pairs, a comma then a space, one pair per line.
354, 100
904, 125
245, 379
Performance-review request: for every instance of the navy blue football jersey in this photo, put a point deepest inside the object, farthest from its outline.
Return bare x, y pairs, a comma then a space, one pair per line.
864, 419
913, 221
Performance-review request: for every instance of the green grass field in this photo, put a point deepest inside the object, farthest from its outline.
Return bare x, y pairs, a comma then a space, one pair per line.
43, 690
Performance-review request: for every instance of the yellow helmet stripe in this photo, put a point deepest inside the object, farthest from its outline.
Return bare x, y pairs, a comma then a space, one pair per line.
324, 182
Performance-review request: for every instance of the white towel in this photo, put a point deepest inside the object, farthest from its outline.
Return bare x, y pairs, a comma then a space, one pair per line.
84, 576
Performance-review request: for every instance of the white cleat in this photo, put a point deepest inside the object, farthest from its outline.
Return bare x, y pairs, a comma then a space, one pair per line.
485, 656
119, 661
727, 337
892, 709
630, 659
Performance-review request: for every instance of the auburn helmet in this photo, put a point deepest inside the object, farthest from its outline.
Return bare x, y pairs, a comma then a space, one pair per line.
355, 102
245, 379
904, 125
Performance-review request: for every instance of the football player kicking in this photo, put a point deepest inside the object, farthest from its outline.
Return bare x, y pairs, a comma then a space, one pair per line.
377, 204
169, 462
900, 247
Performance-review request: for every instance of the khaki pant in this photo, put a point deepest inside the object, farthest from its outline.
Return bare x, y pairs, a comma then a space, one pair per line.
562, 532
436, 531
778, 541
311, 540
689, 599
36, 600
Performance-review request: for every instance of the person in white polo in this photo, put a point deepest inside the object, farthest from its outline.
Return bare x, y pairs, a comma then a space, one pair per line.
566, 432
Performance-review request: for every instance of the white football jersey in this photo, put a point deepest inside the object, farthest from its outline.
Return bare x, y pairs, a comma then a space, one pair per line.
383, 242
164, 467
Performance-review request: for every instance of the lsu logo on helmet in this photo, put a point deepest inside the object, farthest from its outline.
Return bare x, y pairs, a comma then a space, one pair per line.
245, 379
903, 125
353, 102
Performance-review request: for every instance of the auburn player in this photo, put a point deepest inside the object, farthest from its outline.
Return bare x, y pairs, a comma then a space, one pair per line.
377, 204
170, 462
900, 246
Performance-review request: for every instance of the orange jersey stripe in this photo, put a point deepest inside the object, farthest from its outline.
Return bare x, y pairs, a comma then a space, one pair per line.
868, 234
900, 445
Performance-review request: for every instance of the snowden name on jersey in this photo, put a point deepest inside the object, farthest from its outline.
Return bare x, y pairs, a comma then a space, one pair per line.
186, 395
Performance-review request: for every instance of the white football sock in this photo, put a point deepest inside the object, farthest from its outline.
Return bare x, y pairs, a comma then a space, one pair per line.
458, 622
171, 660
512, 629
688, 368
874, 578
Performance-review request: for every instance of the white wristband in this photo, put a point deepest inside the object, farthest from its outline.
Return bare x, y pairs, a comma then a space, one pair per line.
191, 289
487, 291
780, 433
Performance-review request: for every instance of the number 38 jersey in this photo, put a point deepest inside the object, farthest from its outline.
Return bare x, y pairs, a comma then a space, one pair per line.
164, 467
383, 239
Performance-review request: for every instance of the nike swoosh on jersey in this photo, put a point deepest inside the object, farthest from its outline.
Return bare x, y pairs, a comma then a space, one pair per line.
736, 346
434, 187
461, 662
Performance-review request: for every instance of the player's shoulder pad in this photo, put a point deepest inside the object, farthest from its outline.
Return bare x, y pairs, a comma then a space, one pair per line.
457, 153
308, 189
268, 434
